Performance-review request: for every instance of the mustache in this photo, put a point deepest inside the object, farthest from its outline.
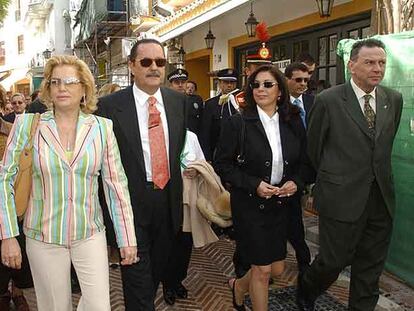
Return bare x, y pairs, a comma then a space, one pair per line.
156, 74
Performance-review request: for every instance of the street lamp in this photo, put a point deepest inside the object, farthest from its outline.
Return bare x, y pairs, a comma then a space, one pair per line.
47, 54
251, 23
181, 55
210, 38
172, 52
325, 7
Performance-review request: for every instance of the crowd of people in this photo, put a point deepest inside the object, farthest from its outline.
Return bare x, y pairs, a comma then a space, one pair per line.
116, 175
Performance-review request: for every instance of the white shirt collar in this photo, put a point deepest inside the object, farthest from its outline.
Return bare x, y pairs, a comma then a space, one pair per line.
359, 92
292, 99
264, 116
141, 97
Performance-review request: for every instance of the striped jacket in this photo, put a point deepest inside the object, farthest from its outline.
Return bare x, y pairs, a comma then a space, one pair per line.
64, 204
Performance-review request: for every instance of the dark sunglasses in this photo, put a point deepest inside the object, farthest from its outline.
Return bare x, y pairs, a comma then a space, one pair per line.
17, 102
147, 62
300, 80
266, 84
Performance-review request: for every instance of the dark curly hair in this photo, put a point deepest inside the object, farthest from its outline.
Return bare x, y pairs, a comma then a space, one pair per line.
285, 108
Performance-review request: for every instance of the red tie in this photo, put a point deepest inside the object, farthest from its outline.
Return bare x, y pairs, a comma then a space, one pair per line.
159, 159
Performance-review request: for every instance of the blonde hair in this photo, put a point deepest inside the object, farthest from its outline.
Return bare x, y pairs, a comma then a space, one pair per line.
3, 99
85, 76
108, 88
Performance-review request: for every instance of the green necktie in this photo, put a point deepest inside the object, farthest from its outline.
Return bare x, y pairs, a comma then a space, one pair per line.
369, 113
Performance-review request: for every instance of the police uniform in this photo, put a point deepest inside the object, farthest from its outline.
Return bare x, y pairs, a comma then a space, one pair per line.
195, 102
217, 109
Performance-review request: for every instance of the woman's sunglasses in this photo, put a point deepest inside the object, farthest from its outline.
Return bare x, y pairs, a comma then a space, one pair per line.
266, 84
147, 62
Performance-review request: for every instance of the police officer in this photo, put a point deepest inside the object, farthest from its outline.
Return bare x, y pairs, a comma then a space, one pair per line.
178, 79
216, 109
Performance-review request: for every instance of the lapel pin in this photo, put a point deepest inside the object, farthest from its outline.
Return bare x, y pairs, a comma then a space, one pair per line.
385, 106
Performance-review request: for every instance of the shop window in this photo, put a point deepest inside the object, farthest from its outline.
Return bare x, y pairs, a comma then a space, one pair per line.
327, 58
20, 44
300, 47
2, 54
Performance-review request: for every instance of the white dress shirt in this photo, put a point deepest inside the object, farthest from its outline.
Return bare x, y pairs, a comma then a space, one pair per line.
271, 127
360, 96
141, 103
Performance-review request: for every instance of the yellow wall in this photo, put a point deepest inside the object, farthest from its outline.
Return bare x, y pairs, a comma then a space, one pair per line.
198, 64
344, 10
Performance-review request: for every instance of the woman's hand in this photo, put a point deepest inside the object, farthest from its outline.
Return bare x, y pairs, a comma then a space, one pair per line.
288, 189
129, 255
265, 190
190, 172
11, 255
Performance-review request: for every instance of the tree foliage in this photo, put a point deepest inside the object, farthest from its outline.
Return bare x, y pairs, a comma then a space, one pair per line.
4, 4
390, 16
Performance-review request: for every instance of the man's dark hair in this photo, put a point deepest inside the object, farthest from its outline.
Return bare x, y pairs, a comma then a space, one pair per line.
133, 53
195, 84
305, 58
34, 95
295, 67
369, 43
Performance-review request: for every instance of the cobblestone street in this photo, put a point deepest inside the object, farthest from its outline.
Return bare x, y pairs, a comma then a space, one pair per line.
211, 267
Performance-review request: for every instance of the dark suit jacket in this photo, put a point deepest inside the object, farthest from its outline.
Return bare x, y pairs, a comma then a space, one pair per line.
348, 157
308, 103
213, 116
120, 108
195, 109
257, 167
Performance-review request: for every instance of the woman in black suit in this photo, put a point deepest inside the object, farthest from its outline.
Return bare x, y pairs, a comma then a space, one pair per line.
263, 186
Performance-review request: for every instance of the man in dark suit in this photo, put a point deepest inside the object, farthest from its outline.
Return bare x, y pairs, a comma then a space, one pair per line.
149, 124
350, 136
297, 78
178, 79
216, 109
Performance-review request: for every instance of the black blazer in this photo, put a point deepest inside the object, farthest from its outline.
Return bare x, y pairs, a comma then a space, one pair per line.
348, 156
120, 108
308, 103
257, 166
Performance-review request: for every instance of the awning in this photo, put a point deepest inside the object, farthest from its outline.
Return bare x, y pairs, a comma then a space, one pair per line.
15, 76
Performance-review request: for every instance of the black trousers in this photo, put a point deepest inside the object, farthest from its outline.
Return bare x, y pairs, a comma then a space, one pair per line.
296, 235
21, 278
179, 260
362, 244
140, 281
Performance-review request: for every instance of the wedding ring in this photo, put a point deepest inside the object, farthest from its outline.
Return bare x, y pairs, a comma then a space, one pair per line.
288, 194
6, 263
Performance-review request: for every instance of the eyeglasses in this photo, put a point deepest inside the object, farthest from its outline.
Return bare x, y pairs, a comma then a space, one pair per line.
67, 82
300, 80
266, 84
17, 102
147, 62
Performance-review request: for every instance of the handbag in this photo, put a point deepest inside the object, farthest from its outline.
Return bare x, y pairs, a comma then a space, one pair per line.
23, 182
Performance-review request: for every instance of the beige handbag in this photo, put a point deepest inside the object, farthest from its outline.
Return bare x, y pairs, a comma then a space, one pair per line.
23, 183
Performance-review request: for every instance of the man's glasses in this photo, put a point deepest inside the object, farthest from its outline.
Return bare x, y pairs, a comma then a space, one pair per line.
266, 84
67, 82
300, 80
147, 62
17, 102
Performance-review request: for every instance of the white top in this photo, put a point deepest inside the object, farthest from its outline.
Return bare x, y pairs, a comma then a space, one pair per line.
141, 103
271, 126
360, 96
191, 151
300, 105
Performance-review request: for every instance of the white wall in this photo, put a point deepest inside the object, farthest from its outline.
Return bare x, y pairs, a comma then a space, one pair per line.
231, 24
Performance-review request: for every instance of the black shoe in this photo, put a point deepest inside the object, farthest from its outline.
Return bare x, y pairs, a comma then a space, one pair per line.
235, 305
303, 302
181, 292
169, 295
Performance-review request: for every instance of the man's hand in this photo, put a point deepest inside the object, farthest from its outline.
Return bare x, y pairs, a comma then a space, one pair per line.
129, 255
11, 255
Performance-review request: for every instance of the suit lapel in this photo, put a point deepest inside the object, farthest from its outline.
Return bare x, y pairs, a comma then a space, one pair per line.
351, 104
128, 123
382, 109
171, 109
49, 134
85, 132
252, 116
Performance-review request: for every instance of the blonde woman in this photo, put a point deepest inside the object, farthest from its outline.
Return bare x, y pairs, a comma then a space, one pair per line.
63, 222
